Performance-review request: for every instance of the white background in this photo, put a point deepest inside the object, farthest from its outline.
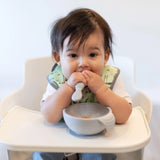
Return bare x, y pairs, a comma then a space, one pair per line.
25, 27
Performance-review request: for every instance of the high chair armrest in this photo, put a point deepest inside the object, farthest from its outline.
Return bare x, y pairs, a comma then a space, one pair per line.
142, 100
9, 101
24, 97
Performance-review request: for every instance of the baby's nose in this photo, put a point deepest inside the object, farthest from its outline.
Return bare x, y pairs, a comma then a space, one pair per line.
83, 62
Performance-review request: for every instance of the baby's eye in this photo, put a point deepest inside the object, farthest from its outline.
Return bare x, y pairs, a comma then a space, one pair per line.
92, 54
73, 55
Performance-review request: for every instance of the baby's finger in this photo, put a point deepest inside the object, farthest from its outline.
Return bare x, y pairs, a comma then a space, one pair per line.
81, 78
84, 81
86, 75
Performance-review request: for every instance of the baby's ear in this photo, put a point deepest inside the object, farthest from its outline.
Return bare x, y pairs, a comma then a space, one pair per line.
106, 56
56, 57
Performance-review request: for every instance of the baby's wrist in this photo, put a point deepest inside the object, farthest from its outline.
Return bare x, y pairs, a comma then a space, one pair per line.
69, 87
102, 89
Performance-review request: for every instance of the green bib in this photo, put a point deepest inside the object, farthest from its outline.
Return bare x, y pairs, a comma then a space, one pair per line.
109, 76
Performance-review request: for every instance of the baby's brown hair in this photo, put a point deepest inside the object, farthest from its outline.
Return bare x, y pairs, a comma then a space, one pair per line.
79, 24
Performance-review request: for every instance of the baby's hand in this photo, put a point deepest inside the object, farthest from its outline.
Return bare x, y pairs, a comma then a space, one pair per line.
94, 81
75, 78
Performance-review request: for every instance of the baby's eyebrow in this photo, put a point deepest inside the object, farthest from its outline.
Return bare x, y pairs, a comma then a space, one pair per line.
94, 48
71, 49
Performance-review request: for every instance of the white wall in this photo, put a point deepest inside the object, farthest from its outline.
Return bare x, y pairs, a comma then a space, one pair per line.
24, 33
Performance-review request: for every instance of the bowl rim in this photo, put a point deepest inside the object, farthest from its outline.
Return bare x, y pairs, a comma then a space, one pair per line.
87, 119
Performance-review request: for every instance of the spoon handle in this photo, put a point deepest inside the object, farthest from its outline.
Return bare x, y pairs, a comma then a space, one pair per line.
77, 95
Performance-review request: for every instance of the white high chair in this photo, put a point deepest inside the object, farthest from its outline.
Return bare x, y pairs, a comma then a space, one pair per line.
30, 94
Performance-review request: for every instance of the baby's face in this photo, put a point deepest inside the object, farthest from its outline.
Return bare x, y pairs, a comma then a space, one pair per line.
89, 56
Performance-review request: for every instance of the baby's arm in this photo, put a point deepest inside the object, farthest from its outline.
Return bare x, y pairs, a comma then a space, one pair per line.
120, 107
53, 105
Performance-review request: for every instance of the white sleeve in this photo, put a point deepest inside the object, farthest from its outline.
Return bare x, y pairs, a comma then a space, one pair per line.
120, 90
49, 91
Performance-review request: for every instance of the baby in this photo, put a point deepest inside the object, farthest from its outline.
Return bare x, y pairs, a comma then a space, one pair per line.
81, 46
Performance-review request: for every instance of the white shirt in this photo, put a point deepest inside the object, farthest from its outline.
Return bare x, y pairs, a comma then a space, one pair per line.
118, 89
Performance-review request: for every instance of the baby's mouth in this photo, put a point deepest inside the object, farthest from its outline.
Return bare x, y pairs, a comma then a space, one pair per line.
84, 69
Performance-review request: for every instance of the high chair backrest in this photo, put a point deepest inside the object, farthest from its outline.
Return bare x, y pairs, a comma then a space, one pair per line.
127, 69
29, 96
37, 69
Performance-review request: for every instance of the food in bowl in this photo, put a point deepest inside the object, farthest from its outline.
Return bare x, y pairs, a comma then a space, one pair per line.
86, 117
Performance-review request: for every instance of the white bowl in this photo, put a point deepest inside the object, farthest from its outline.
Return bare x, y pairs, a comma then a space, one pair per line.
101, 118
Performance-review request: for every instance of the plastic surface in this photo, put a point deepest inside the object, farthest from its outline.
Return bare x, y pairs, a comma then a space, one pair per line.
26, 133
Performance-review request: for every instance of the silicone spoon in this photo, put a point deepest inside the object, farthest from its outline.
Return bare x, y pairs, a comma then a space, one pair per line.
77, 95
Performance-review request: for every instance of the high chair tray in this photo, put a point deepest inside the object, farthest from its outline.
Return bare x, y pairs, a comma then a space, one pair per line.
26, 130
